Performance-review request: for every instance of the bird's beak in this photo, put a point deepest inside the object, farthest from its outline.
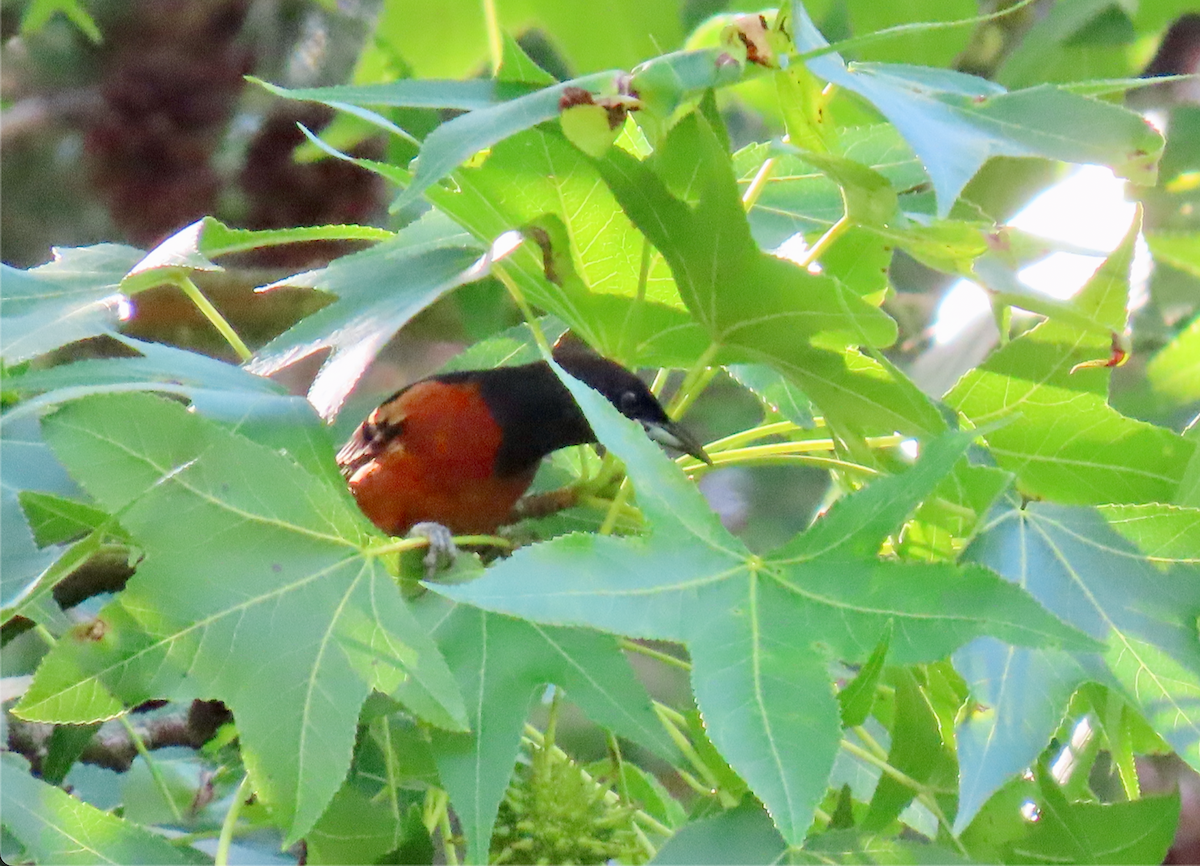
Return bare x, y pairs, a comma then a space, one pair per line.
675, 436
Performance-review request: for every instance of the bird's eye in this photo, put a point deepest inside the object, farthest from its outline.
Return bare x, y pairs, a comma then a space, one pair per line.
629, 402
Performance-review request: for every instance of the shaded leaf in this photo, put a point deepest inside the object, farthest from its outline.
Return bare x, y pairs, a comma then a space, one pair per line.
1138, 831
1074, 563
741, 835
379, 290
73, 297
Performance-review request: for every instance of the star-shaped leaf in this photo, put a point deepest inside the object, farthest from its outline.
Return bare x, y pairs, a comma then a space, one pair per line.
254, 406
1072, 561
752, 304
257, 589
761, 630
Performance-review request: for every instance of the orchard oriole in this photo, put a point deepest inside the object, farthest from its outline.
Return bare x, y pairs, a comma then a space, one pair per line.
459, 449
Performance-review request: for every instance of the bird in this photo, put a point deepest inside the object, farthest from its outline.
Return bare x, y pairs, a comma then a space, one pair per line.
454, 452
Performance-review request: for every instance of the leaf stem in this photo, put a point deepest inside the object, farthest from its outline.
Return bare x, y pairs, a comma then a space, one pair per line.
205, 306
514, 291
160, 781
645, 843
925, 793
826, 240
761, 179
404, 544
221, 858
685, 746
615, 509
870, 757
692, 387
614, 752
495, 40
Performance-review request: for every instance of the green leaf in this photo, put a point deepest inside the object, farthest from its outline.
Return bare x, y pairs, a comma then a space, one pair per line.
1166, 534
1066, 443
955, 122
56, 519
752, 304
852, 846
55, 827
1138, 831
1174, 371
25, 464
1177, 249
741, 835
501, 664
777, 394
455, 141
218, 239
596, 256
355, 828
1081, 569
379, 290
39, 12
858, 695
761, 629
936, 46
289, 620
619, 33
800, 198
71, 298
919, 749
741, 295
409, 93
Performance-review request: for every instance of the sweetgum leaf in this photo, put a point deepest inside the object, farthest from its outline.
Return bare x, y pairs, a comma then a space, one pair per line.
595, 254
501, 664
288, 619
70, 298
379, 290
1067, 443
453, 142
55, 827
956, 122
1137, 831
761, 630
741, 835
409, 93
1174, 371
756, 306
741, 295
1072, 561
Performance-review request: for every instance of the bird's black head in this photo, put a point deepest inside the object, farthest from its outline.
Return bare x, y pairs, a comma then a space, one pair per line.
626, 392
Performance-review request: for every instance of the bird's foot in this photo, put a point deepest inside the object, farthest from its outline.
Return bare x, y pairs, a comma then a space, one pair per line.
442, 551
